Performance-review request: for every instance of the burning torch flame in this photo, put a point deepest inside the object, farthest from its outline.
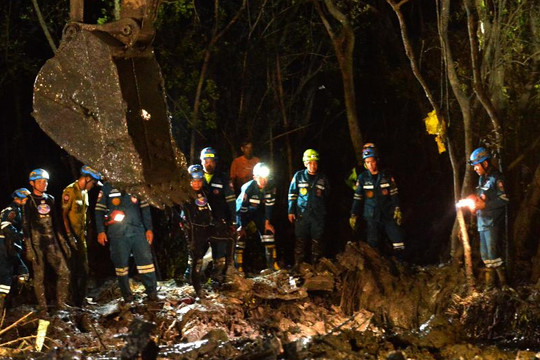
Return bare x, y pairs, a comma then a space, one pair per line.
469, 203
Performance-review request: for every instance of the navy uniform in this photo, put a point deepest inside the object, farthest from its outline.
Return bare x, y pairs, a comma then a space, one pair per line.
127, 235
197, 222
307, 202
44, 241
221, 196
11, 245
257, 204
490, 219
379, 195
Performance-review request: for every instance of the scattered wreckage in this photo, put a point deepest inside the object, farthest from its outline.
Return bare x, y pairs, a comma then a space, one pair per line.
277, 315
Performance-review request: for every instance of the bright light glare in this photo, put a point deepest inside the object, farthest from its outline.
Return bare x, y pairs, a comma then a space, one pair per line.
119, 217
262, 171
465, 203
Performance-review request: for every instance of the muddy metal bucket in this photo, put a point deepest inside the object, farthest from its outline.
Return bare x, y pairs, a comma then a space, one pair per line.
105, 104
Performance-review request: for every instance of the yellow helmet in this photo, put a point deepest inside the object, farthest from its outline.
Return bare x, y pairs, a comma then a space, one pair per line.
310, 155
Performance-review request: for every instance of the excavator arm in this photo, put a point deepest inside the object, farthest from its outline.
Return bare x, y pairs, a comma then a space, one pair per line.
101, 97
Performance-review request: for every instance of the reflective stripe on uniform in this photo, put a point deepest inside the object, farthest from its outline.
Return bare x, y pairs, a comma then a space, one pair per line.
144, 204
267, 239
101, 207
493, 263
145, 269
4, 289
399, 245
5, 223
122, 271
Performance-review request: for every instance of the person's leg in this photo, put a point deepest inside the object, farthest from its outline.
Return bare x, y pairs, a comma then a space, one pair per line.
394, 233
142, 254
120, 252
56, 260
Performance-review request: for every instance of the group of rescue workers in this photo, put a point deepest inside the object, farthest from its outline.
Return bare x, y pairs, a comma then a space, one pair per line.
217, 216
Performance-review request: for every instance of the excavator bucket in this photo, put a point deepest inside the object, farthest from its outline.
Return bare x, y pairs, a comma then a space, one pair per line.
105, 104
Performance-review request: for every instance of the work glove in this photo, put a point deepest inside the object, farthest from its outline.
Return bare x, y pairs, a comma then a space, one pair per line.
352, 221
397, 215
23, 278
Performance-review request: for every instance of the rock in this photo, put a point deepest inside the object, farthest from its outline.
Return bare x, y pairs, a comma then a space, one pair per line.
320, 283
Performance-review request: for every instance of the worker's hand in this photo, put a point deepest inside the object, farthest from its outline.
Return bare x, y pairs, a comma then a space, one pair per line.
479, 203
65, 248
150, 236
397, 215
352, 221
269, 227
102, 238
241, 232
292, 218
73, 242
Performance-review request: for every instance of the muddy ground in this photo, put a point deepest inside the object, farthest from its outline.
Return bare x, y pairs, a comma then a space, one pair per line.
360, 306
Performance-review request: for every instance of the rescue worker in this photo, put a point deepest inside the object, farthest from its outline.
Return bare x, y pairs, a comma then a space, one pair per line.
11, 244
126, 222
197, 222
74, 205
308, 192
44, 241
490, 206
355, 171
221, 197
256, 203
242, 166
377, 191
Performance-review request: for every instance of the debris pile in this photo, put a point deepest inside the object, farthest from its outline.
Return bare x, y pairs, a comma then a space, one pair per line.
280, 315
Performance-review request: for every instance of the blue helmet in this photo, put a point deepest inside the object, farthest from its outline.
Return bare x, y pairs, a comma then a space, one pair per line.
479, 155
88, 171
37, 174
369, 152
208, 153
197, 174
196, 171
21, 193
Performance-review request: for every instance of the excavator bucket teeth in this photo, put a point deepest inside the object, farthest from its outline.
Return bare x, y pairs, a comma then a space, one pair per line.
108, 109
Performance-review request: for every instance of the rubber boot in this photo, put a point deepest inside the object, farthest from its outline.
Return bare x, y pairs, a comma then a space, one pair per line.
219, 269
316, 250
299, 253
196, 277
501, 273
271, 257
187, 273
239, 260
490, 278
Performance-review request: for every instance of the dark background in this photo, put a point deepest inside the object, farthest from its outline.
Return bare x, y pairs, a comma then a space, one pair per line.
391, 107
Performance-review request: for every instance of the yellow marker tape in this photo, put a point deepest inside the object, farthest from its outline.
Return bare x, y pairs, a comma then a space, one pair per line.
42, 331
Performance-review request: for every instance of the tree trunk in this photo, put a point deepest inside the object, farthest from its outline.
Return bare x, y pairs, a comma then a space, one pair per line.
285, 120
343, 44
478, 84
216, 36
43, 25
527, 217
